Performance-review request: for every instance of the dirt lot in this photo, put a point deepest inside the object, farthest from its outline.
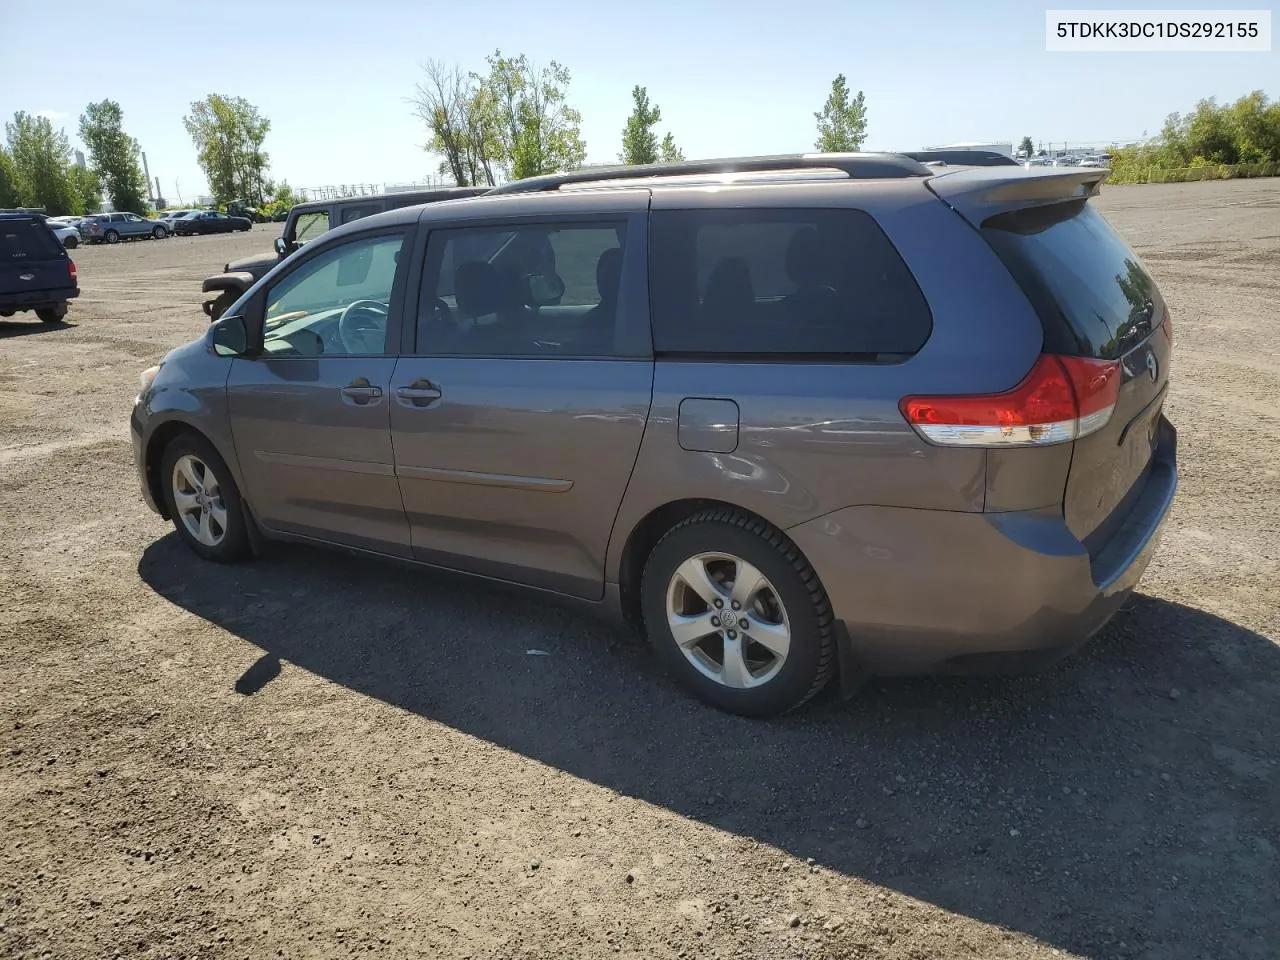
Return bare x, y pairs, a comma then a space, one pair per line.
314, 756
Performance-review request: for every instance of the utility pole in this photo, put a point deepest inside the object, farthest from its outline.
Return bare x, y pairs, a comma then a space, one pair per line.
177, 188
147, 171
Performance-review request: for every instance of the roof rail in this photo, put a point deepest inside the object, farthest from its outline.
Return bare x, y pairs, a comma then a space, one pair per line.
857, 166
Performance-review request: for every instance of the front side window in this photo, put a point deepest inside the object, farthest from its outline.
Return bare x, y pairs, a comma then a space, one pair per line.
338, 303
532, 290
308, 226
775, 281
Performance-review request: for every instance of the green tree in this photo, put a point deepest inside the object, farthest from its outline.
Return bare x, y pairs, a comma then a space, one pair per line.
114, 155
842, 122
523, 116
669, 152
42, 159
457, 111
88, 189
1027, 146
9, 196
228, 133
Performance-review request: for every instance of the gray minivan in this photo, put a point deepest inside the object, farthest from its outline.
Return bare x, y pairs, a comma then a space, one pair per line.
796, 417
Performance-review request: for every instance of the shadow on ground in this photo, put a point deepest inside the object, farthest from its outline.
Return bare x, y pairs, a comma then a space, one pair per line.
20, 328
1124, 803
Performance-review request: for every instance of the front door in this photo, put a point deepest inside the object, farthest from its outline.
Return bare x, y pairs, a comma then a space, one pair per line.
310, 414
517, 421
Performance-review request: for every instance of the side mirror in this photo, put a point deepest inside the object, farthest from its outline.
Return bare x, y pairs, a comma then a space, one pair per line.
282, 247
231, 336
545, 289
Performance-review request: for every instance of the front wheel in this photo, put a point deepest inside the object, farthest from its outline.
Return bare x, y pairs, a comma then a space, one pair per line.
737, 614
159, 233
111, 236
203, 500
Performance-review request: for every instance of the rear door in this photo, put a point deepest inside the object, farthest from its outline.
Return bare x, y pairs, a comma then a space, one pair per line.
31, 259
1096, 300
519, 414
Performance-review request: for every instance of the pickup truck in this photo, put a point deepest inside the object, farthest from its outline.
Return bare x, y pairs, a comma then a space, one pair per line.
305, 222
35, 271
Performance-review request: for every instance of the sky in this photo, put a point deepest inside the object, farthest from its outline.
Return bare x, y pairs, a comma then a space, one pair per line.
732, 77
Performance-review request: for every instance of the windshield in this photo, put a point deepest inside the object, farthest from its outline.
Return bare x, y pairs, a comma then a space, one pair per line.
308, 226
1090, 289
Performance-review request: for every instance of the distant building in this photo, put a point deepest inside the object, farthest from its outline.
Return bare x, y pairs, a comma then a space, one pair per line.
80, 159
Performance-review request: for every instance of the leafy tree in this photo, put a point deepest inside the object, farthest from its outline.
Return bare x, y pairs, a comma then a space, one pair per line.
42, 159
88, 190
1027, 146
458, 112
524, 117
115, 155
8, 180
228, 133
842, 123
669, 152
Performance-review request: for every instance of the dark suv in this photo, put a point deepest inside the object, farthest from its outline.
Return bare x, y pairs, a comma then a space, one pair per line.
305, 222
796, 416
35, 271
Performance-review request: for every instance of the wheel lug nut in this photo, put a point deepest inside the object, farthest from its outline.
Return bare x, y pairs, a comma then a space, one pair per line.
736, 605
715, 621
732, 635
743, 623
719, 604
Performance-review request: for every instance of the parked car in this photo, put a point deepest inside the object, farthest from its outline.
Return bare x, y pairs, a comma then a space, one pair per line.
792, 424
68, 235
168, 216
114, 227
35, 271
303, 223
200, 222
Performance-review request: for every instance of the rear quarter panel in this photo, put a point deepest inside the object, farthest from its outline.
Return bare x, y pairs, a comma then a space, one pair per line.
818, 437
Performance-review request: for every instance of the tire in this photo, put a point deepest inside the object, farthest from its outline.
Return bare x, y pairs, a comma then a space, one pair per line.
71, 243
185, 467
111, 236
789, 604
159, 233
219, 306
52, 314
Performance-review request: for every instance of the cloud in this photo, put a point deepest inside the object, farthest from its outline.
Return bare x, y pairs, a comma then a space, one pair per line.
52, 115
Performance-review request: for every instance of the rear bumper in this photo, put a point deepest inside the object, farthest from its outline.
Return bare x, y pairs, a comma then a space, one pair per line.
923, 590
30, 299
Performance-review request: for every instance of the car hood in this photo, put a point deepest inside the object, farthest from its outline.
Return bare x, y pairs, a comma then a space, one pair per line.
258, 266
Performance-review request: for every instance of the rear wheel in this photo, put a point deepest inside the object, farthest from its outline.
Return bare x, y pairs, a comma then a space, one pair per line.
737, 614
71, 243
203, 500
111, 236
52, 314
159, 233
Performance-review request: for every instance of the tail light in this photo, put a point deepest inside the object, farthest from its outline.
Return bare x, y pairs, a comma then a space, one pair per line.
71, 269
1060, 400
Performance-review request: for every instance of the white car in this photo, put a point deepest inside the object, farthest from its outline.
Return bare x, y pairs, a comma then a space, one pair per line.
66, 233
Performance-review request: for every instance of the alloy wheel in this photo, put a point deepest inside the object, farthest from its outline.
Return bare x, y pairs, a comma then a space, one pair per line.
197, 496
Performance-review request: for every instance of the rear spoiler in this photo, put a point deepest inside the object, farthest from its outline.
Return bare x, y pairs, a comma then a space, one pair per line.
978, 193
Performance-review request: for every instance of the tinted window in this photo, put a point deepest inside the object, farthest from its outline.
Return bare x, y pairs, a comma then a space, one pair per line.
1087, 285
820, 282
310, 311
528, 291
28, 240
308, 226
355, 213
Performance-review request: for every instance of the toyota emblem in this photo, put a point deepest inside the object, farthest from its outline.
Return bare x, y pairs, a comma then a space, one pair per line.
1153, 368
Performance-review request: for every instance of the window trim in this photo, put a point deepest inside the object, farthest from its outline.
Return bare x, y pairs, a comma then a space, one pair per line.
396, 309
633, 303
781, 213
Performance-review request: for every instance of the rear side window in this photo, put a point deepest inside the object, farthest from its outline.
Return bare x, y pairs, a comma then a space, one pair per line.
1090, 289
28, 240
826, 283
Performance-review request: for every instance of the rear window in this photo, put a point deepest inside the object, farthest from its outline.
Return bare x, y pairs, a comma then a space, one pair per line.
28, 240
1090, 289
824, 283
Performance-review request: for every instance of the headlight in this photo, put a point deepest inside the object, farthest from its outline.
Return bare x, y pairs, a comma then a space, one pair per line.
147, 377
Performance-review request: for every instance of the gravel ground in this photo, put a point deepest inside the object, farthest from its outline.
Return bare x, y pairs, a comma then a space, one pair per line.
315, 756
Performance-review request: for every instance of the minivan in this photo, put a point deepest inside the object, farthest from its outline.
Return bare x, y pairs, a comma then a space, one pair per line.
795, 417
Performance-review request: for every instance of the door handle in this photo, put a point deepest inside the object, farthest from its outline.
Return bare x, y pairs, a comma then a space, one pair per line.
420, 393
360, 393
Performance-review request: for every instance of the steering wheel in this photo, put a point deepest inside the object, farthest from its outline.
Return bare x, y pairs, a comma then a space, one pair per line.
443, 315
362, 327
